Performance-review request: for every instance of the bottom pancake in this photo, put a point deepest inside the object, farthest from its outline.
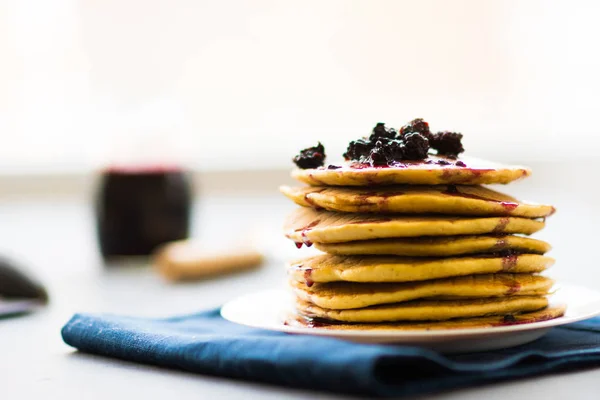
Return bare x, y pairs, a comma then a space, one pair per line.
462, 323
427, 310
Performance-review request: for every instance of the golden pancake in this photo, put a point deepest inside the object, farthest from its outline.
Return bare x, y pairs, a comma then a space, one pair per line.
329, 268
306, 225
410, 199
442, 246
462, 323
347, 295
427, 310
476, 172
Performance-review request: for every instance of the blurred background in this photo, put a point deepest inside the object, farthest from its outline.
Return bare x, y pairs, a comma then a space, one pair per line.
241, 84
230, 90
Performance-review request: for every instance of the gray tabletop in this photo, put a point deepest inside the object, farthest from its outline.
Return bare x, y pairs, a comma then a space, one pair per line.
54, 238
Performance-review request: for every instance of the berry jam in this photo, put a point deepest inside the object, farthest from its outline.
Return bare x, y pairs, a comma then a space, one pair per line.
138, 209
388, 147
308, 277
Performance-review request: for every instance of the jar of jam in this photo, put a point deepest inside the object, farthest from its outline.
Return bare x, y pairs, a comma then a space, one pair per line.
139, 208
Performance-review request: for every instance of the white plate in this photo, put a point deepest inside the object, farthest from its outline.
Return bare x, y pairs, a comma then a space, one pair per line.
267, 310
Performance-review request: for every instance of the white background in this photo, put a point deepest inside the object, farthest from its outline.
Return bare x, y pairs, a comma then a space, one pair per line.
245, 84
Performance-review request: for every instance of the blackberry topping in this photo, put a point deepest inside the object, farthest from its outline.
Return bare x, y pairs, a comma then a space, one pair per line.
358, 149
416, 146
381, 131
379, 154
384, 146
380, 148
311, 157
396, 149
386, 152
417, 125
448, 143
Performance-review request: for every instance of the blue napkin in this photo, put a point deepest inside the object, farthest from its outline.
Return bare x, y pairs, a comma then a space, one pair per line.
207, 344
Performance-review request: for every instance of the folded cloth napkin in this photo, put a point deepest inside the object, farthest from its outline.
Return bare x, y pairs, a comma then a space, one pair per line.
207, 344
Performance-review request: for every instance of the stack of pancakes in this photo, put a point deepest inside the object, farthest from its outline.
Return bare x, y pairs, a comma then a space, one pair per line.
424, 246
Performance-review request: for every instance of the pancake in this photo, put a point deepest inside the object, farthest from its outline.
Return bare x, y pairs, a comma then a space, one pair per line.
329, 268
346, 295
441, 199
462, 323
476, 172
306, 225
443, 246
427, 310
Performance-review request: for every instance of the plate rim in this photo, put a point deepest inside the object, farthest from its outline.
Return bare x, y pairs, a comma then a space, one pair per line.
226, 313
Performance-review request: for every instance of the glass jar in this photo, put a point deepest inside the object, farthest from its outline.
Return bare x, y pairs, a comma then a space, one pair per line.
138, 209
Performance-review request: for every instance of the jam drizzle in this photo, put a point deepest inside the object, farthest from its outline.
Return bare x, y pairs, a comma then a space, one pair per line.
512, 285
380, 198
509, 262
442, 162
303, 231
308, 277
509, 206
501, 226
510, 319
501, 244
452, 190
305, 240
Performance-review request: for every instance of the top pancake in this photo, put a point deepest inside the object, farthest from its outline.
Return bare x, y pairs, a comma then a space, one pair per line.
476, 172
412, 199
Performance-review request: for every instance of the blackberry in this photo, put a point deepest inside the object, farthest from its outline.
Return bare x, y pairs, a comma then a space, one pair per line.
416, 146
417, 125
448, 143
311, 157
358, 149
379, 154
381, 131
411, 143
396, 150
386, 152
